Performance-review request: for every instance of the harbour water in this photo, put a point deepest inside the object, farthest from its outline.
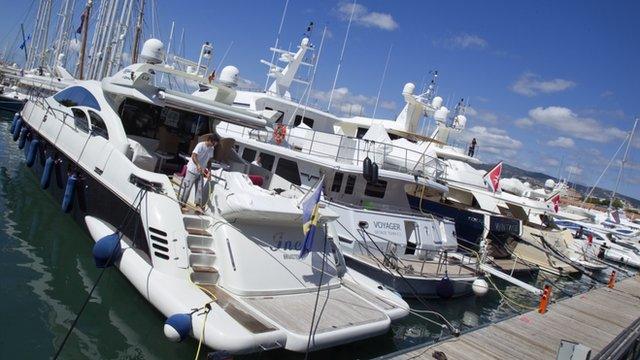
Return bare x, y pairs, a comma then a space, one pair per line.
46, 271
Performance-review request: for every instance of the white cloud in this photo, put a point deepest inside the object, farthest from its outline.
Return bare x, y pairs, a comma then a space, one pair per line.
551, 161
524, 122
247, 84
530, 84
494, 141
567, 122
462, 41
607, 94
346, 103
362, 16
574, 170
74, 45
482, 115
561, 141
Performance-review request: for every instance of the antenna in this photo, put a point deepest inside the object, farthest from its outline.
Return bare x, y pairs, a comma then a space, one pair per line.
384, 73
624, 160
344, 45
273, 56
224, 57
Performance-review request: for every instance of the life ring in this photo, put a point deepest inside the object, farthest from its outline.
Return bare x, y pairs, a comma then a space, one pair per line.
279, 133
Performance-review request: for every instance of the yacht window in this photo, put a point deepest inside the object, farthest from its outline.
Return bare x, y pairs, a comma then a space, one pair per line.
249, 154
266, 160
76, 96
307, 121
376, 190
351, 183
80, 120
337, 182
288, 170
361, 132
97, 125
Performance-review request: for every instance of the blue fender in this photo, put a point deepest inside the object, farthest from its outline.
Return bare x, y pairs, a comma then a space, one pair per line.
14, 122
69, 193
107, 250
23, 138
33, 152
16, 130
46, 173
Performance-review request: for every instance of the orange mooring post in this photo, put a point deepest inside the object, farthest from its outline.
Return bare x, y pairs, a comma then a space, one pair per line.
612, 280
544, 299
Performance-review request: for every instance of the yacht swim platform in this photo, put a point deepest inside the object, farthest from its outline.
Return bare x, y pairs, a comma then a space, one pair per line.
607, 321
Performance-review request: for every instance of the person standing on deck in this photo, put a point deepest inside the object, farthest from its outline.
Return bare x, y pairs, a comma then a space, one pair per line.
196, 172
472, 147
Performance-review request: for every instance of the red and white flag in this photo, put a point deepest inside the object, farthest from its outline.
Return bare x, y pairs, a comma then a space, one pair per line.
492, 177
555, 202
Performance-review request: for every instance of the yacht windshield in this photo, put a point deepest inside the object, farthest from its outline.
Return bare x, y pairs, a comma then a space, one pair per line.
76, 96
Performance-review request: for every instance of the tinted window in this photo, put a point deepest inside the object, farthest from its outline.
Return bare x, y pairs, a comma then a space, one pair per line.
299, 119
97, 125
337, 182
361, 132
249, 154
376, 190
76, 96
351, 183
80, 120
288, 170
266, 161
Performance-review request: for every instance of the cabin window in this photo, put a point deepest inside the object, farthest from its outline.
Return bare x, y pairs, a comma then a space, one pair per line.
376, 190
267, 160
351, 183
361, 131
248, 154
337, 182
300, 120
76, 96
98, 126
80, 120
288, 170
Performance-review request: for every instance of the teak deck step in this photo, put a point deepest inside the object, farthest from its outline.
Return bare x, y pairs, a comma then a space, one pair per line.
198, 231
204, 269
201, 250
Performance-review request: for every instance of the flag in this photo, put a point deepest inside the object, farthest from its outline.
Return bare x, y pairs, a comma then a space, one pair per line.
82, 20
555, 201
310, 214
615, 215
492, 177
24, 42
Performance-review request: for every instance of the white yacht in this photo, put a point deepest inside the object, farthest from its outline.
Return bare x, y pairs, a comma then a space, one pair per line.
380, 233
231, 277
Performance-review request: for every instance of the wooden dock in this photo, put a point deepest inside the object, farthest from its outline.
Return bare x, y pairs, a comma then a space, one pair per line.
603, 319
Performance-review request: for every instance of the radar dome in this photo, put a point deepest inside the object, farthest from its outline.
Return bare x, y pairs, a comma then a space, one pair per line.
305, 42
152, 51
436, 102
408, 88
229, 76
441, 114
549, 184
460, 122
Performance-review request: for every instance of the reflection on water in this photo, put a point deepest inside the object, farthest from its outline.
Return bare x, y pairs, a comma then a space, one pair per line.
46, 271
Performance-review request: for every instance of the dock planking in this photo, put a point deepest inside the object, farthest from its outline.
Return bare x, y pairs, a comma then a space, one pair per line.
593, 319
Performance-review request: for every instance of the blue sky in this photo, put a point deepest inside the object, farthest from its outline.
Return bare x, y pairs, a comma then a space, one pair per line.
547, 80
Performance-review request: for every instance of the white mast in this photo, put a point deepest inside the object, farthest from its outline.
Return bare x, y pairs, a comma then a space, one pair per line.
344, 45
38, 49
313, 74
121, 37
285, 77
273, 57
63, 30
624, 160
136, 36
384, 73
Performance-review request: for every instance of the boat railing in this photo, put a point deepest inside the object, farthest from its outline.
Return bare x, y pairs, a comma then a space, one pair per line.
350, 150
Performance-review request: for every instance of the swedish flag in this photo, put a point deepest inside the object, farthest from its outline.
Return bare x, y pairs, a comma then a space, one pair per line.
310, 215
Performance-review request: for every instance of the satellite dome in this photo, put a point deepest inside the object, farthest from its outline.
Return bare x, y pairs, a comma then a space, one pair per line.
549, 184
441, 114
408, 88
436, 102
229, 76
305, 42
460, 121
152, 51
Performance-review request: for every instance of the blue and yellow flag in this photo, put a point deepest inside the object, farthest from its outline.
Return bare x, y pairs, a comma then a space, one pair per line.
310, 215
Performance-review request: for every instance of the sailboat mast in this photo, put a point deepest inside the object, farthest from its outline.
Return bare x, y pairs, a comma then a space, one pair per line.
624, 160
83, 45
136, 37
24, 41
344, 45
384, 73
273, 56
